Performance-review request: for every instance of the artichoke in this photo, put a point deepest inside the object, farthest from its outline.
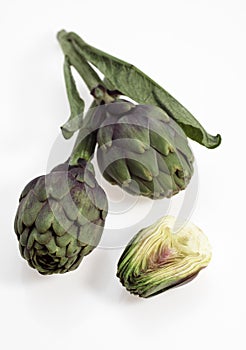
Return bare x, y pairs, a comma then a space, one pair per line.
60, 218
143, 150
157, 259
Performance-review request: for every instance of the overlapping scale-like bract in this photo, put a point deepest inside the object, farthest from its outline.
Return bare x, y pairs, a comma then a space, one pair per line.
143, 150
158, 259
60, 218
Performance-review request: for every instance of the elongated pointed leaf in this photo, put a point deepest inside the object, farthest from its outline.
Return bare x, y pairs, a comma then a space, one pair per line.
138, 86
76, 104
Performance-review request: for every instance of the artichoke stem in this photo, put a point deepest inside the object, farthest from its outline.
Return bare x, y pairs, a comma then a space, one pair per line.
102, 95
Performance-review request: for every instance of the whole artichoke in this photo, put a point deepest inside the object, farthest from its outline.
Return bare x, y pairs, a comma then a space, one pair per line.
143, 150
60, 218
158, 259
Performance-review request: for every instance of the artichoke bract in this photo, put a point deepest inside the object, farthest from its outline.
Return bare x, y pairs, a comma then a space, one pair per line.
157, 259
60, 218
143, 150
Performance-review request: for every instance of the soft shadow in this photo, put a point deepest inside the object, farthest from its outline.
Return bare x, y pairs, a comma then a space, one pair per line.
99, 273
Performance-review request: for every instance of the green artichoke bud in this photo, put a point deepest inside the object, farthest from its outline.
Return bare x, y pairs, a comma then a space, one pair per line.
143, 150
60, 218
157, 259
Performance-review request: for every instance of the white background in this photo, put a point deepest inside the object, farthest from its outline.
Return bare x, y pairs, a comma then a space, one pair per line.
196, 50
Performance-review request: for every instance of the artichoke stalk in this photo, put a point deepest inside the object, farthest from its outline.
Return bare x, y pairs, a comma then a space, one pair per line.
157, 259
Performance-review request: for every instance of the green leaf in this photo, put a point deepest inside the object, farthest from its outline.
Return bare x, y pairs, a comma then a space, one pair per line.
132, 82
76, 104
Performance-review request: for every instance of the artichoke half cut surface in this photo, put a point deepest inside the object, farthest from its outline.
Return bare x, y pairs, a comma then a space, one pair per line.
157, 259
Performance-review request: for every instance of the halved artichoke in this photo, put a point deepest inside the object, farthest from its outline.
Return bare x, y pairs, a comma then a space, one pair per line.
157, 259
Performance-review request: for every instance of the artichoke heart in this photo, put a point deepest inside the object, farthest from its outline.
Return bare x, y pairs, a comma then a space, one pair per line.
157, 259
